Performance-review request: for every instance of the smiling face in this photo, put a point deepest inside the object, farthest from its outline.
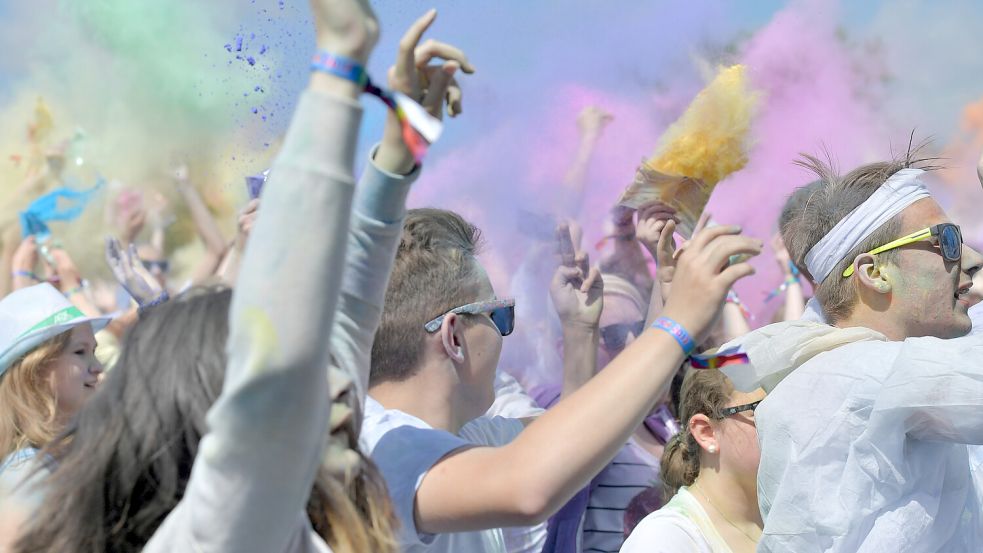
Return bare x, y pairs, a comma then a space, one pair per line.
929, 295
75, 374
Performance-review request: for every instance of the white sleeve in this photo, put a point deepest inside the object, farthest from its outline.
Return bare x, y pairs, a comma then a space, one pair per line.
491, 431
664, 534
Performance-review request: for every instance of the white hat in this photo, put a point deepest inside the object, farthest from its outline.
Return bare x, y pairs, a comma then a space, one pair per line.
30, 316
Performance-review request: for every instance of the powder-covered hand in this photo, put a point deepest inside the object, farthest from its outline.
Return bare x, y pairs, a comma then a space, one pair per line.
577, 290
130, 272
346, 28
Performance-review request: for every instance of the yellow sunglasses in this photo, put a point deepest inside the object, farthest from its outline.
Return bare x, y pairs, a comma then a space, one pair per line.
946, 236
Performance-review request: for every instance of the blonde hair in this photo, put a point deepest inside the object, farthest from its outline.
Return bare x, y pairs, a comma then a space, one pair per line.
705, 391
27, 404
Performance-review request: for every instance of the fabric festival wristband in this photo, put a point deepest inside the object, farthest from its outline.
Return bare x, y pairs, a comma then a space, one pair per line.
677, 331
734, 299
419, 128
720, 359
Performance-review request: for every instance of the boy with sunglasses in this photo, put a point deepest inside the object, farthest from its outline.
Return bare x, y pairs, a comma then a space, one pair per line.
864, 428
433, 366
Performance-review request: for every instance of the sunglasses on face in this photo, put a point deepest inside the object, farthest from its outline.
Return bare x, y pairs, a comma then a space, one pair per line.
729, 411
161, 266
501, 312
946, 237
615, 336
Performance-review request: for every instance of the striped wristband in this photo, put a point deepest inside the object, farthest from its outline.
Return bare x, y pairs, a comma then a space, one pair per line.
677, 331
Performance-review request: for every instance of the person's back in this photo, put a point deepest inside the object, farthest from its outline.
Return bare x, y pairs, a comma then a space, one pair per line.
855, 445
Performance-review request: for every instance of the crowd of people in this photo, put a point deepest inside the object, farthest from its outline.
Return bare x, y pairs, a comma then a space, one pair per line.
349, 392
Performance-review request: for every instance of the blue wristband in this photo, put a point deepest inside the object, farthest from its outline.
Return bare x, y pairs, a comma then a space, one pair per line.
677, 331
339, 66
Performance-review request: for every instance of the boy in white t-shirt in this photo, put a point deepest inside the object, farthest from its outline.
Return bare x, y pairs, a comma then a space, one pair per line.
433, 369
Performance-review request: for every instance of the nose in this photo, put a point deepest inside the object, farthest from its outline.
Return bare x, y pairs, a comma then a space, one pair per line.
96, 368
972, 261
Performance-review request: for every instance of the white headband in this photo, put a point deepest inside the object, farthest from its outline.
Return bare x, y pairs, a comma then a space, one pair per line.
900, 191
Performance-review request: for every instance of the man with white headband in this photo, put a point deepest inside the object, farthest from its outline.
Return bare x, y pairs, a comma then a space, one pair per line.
864, 428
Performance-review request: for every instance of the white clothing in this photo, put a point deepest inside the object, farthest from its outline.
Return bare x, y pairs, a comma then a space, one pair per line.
512, 401
862, 447
405, 448
680, 526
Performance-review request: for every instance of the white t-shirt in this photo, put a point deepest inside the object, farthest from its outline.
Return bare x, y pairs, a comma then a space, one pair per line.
681, 526
405, 448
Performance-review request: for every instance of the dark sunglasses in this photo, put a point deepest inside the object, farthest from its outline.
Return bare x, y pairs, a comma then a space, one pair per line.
946, 236
161, 266
501, 313
728, 411
615, 336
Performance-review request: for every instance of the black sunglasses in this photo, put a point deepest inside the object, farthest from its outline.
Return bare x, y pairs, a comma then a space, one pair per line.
615, 336
728, 411
161, 266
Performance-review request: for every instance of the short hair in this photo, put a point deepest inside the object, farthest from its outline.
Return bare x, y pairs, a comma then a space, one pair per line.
435, 271
792, 208
832, 200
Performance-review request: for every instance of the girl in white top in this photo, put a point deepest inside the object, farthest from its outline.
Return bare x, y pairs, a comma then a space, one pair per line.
709, 470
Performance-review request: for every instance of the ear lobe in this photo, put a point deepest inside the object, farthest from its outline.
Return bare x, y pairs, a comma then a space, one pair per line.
449, 338
703, 432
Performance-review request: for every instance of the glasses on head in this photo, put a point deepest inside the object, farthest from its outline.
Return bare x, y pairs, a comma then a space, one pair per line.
156, 265
501, 312
615, 336
730, 411
946, 236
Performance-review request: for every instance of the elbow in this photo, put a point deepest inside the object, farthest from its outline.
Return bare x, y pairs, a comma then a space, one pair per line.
531, 507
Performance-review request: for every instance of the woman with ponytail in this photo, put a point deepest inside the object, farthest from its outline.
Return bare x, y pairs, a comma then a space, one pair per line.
709, 471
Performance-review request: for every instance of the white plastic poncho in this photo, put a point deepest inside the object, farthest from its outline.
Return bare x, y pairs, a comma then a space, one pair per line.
862, 446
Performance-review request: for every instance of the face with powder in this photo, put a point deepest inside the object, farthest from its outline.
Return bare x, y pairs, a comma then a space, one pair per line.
928, 295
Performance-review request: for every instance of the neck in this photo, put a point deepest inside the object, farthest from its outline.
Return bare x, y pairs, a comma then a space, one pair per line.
879, 321
735, 501
428, 395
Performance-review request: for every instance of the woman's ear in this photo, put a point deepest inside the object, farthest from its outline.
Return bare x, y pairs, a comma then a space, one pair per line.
704, 433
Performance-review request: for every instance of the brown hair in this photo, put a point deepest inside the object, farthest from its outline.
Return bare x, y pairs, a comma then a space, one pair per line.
435, 271
705, 391
28, 416
833, 199
124, 462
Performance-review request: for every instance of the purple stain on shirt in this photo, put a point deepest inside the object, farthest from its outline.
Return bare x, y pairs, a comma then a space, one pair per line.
262, 49
251, 60
258, 89
281, 4
255, 110
228, 47
239, 43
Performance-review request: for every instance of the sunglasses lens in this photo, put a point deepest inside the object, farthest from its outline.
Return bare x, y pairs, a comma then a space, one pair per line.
614, 337
504, 319
950, 243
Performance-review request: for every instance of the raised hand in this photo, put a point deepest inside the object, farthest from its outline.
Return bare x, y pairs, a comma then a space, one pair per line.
704, 274
131, 274
345, 27
652, 219
592, 120
247, 218
577, 290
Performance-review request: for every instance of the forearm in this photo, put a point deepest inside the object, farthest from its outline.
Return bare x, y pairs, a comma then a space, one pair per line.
795, 301
532, 477
733, 323
575, 179
203, 220
579, 355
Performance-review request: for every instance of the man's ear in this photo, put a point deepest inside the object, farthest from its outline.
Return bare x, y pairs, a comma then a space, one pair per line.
869, 274
450, 337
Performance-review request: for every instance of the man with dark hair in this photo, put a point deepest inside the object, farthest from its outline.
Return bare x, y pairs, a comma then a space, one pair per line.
864, 428
455, 485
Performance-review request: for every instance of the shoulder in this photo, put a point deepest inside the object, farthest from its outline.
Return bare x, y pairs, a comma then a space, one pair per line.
666, 531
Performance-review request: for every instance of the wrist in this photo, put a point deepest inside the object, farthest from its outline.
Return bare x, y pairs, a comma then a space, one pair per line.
579, 328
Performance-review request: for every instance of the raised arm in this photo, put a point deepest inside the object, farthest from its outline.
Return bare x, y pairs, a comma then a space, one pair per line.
380, 202
529, 479
257, 464
590, 123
